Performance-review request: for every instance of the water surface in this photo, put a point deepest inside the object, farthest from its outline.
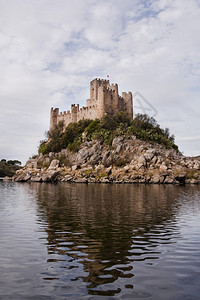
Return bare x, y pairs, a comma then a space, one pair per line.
99, 241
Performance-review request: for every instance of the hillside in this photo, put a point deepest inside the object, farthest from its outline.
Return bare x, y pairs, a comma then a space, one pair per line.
111, 150
104, 130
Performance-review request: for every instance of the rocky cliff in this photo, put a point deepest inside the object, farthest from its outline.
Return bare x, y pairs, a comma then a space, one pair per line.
127, 160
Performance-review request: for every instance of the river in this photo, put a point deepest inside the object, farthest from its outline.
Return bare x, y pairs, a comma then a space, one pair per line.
99, 241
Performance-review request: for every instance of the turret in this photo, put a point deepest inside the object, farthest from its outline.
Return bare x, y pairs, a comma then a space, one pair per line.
94, 86
74, 110
53, 117
128, 101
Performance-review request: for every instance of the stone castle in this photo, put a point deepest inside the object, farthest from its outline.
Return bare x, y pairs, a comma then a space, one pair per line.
104, 99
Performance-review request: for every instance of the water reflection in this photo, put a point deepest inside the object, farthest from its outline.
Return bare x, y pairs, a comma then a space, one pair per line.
98, 233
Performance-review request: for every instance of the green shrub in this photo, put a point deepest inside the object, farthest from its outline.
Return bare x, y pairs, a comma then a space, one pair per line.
143, 127
88, 172
102, 174
103, 135
43, 147
192, 174
75, 145
93, 126
147, 129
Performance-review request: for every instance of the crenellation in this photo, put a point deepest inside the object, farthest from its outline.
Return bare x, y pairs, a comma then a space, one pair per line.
104, 99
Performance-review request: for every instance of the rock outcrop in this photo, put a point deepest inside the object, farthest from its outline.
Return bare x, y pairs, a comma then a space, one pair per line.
127, 160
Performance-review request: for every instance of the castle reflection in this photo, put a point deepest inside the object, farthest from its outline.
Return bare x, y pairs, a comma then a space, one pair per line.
97, 232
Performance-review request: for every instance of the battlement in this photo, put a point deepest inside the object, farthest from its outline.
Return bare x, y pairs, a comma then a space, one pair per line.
104, 99
100, 81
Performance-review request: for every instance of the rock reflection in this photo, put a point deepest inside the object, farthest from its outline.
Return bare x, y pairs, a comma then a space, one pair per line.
97, 232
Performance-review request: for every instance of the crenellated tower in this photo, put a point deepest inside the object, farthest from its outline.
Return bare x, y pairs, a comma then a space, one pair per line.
53, 117
104, 99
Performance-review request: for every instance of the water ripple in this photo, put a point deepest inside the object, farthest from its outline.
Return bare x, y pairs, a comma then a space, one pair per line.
85, 242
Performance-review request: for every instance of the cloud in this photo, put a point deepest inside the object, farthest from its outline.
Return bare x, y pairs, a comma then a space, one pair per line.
190, 138
49, 51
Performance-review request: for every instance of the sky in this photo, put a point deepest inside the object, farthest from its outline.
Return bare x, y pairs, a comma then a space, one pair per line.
51, 50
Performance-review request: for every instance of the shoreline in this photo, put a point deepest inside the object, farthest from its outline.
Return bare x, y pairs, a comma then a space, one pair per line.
127, 160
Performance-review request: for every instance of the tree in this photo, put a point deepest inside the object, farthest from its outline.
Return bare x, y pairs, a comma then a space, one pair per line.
14, 162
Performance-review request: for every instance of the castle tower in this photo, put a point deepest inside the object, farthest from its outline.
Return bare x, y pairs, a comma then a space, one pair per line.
53, 117
74, 111
94, 86
104, 99
128, 101
115, 97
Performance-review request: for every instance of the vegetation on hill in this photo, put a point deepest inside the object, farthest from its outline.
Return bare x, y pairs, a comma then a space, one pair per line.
142, 126
8, 168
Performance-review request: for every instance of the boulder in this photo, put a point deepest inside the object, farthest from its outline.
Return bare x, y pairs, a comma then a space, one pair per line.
40, 161
64, 152
75, 167
108, 171
154, 160
80, 180
27, 177
126, 169
170, 153
83, 154
147, 178
51, 154
194, 181
141, 162
95, 158
142, 180
18, 178
31, 163
128, 147
105, 158
50, 176
95, 148
163, 168
7, 178
36, 178
67, 178
91, 180
104, 180
54, 164
117, 140
169, 180
119, 148
196, 166
181, 177
155, 179
149, 154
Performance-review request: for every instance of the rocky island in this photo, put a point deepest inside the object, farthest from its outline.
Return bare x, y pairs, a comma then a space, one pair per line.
102, 143
128, 160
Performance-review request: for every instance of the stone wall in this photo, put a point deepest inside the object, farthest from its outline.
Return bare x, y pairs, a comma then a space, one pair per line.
104, 99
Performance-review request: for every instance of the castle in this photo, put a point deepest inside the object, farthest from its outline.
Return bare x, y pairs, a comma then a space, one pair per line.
104, 99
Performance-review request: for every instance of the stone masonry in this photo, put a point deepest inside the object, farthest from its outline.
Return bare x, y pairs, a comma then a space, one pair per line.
104, 99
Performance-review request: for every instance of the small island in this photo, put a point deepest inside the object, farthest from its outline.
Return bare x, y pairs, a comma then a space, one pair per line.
102, 143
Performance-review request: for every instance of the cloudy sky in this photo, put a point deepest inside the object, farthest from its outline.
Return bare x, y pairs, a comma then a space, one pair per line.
50, 51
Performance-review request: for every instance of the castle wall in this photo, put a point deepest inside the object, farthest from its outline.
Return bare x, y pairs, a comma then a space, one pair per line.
104, 99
